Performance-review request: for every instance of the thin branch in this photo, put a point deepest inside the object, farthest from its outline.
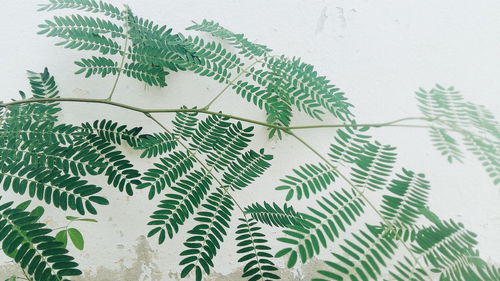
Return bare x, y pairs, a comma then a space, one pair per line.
247, 120
120, 70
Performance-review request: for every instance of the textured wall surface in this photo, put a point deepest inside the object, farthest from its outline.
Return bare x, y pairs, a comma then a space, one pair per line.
378, 52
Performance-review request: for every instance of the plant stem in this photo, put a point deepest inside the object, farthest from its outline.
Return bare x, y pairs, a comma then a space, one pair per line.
204, 111
119, 70
26, 275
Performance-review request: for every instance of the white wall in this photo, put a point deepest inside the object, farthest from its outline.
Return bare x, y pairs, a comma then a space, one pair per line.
378, 52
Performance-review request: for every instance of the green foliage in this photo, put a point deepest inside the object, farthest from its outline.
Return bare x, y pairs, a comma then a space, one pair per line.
151, 75
114, 133
362, 257
336, 212
487, 153
311, 178
246, 169
407, 270
409, 196
207, 235
86, 5
185, 124
28, 242
97, 65
76, 237
208, 133
171, 168
476, 126
203, 162
348, 144
245, 47
156, 144
256, 256
154, 51
300, 85
447, 247
179, 205
446, 144
229, 146
373, 165
63, 191
62, 26
274, 215
83, 40
117, 168
279, 112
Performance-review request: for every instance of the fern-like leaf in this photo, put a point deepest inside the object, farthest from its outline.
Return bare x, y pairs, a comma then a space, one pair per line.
246, 169
256, 256
229, 146
487, 153
348, 143
43, 85
85, 5
213, 52
65, 159
28, 242
82, 40
279, 113
373, 166
274, 215
407, 270
409, 193
90, 25
247, 48
446, 144
185, 124
112, 132
306, 240
446, 104
153, 76
166, 173
362, 259
207, 235
62, 191
176, 208
97, 65
308, 179
116, 167
156, 144
443, 243
209, 133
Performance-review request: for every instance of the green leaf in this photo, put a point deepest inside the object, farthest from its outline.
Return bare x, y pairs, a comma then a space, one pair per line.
76, 237
307, 180
274, 215
247, 48
62, 236
27, 241
254, 252
71, 218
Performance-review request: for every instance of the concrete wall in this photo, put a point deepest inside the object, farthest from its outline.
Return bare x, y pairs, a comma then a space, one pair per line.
378, 52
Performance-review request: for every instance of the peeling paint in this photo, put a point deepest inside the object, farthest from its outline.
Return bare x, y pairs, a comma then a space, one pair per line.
144, 267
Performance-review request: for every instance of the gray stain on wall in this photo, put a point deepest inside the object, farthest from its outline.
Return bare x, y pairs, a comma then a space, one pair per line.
321, 20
